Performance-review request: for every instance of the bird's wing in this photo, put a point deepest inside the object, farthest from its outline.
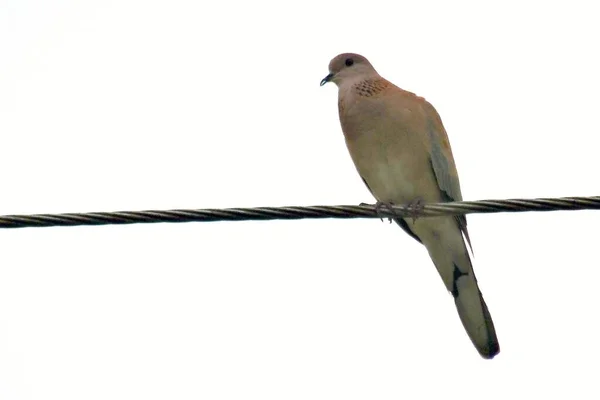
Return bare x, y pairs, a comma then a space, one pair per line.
442, 163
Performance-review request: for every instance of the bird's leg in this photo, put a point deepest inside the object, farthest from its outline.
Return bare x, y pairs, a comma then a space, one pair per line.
415, 208
380, 206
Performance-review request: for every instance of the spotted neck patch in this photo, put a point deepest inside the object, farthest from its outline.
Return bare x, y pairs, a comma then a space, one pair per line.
370, 87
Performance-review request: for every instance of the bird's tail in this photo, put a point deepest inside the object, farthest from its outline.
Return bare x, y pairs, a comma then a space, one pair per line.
449, 254
475, 316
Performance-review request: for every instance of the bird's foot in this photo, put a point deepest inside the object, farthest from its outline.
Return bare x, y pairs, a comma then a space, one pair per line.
382, 206
415, 208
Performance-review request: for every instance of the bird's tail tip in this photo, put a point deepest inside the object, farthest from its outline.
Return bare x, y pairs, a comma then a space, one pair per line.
491, 350
476, 318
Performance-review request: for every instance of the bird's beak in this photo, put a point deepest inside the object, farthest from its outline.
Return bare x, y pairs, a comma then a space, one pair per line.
326, 79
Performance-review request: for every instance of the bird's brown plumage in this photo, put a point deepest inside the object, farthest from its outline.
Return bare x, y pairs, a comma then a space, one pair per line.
401, 150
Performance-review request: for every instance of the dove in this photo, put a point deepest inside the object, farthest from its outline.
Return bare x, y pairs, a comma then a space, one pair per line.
401, 151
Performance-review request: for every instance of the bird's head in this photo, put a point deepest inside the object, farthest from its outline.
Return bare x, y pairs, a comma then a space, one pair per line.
348, 66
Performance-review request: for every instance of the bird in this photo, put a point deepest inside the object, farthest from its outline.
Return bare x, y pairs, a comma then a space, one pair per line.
401, 151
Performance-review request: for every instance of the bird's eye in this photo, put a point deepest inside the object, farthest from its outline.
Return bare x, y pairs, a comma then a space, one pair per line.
349, 62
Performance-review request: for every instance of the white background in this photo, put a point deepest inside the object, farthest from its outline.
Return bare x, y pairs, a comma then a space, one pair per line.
131, 105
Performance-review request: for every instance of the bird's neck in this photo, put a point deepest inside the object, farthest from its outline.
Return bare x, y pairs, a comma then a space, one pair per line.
364, 87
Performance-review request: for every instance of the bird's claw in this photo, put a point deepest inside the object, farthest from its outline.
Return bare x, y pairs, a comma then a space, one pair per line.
415, 208
382, 206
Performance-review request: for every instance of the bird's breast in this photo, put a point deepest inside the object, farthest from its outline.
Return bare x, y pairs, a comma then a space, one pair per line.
388, 156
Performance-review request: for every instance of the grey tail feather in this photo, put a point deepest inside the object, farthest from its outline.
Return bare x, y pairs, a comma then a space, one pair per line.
474, 315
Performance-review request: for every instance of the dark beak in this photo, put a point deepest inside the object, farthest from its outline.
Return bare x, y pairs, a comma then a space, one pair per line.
326, 79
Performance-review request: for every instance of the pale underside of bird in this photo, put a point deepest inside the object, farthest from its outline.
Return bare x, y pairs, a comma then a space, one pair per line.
401, 150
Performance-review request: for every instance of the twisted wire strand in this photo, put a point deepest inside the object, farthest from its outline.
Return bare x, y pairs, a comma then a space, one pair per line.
295, 212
